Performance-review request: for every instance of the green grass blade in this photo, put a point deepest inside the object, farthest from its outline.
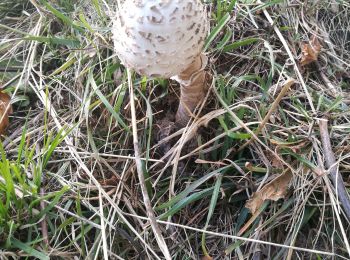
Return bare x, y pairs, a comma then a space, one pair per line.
265, 5
238, 243
223, 21
22, 143
192, 187
61, 16
64, 66
55, 142
29, 250
231, 6
106, 103
73, 43
239, 44
185, 202
224, 40
212, 206
57, 196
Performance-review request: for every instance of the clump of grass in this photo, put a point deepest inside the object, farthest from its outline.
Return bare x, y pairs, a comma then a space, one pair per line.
23, 204
76, 193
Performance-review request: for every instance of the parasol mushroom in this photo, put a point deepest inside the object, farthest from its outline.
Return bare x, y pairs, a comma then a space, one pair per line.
164, 38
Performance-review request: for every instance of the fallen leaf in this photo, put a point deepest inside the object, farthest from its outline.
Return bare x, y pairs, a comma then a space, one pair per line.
274, 190
207, 257
5, 111
310, 51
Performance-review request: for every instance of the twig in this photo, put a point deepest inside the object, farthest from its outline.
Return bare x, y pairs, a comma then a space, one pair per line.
159, 237
331, 164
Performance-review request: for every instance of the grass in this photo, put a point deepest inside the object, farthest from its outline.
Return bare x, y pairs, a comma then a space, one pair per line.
68, 178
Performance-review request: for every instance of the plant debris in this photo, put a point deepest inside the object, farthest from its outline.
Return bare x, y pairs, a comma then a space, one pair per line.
74, 131
274, 190
310, 51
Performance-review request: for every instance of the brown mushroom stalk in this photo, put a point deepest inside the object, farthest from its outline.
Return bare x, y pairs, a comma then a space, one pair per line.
194, 86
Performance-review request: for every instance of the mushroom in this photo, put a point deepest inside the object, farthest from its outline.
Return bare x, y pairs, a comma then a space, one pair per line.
165, 38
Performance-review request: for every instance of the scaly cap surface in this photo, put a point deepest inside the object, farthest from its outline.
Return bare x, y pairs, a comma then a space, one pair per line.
159, 38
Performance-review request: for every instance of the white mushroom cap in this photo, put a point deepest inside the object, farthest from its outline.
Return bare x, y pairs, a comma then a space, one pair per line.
159, 38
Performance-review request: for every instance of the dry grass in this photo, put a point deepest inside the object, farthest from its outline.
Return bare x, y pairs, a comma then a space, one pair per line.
65, 81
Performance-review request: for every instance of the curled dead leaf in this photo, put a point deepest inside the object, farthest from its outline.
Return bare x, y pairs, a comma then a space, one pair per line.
310, 51
5, 111
274, 190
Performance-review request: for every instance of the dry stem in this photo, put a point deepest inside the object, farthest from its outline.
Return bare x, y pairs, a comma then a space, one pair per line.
331, 163
44, 221
157, 232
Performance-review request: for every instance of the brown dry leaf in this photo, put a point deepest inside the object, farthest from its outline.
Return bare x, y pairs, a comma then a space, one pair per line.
207, 258
5, 111
274, 190
310, 51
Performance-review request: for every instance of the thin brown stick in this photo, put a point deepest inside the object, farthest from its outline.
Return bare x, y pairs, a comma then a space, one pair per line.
285, 89
150, 213
43, 222
331, 164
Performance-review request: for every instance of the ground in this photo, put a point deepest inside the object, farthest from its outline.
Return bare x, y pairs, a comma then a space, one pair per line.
249, 178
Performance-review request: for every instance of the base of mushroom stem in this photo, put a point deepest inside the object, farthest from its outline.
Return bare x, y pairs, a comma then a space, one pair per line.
165, 129
194, 86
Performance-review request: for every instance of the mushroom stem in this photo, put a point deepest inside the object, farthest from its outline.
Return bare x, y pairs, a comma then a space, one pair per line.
193, 88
